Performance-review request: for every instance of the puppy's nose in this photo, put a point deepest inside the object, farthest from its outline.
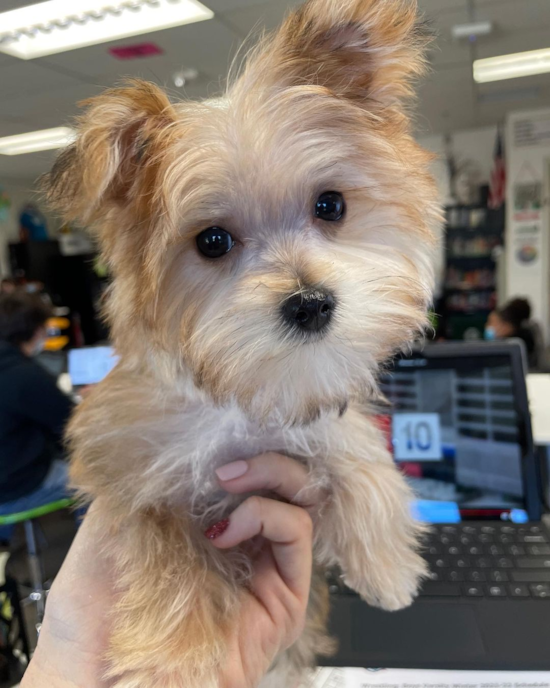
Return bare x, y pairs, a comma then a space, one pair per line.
309, 310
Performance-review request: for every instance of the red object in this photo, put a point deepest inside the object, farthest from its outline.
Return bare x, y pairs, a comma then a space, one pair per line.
384, 424
134, 52
497, 191
217, 529
414, 470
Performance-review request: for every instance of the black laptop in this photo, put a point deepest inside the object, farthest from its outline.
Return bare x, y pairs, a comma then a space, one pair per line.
460, 430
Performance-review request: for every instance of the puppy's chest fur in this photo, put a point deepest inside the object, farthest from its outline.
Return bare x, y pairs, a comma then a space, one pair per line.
211, 437
146, 446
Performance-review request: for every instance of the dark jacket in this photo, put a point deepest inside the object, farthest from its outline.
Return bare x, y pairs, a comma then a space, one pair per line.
33, 414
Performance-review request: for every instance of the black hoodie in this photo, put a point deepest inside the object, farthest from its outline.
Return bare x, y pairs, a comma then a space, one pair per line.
33, 414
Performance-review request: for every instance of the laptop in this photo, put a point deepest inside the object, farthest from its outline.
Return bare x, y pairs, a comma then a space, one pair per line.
459, 428
90, 364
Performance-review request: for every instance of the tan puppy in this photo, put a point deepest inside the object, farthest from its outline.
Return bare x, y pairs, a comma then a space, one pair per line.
270, 249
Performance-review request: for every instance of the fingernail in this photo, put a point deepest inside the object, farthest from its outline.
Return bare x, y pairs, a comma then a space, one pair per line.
217, 529
232, 470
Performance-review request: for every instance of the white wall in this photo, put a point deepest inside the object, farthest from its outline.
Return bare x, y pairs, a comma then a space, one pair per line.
528, 163
477, 145
9, 229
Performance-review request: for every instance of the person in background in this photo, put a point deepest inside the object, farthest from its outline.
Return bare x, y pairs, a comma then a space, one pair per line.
513, 321
8, 285
33, 411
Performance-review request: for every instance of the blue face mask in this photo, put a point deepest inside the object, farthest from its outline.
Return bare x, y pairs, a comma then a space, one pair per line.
490, 334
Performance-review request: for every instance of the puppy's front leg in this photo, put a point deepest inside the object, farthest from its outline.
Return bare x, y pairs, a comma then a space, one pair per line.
171, 620
368, 529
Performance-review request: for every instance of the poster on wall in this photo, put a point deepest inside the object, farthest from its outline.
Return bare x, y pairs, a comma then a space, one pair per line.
532, 131
527, 241
527, 214
528, 197
5, 203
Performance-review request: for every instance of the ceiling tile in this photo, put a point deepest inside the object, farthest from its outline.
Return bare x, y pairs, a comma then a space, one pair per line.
22, 77
25, 167
442, 6
513, 42
447, 101
534, 14
223, 6
207, 46
52, 108
446, 50
265, 16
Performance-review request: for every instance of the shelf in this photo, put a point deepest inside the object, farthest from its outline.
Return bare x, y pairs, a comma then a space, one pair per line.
470, 259
466, 287
473, 311
464, 256
473, 231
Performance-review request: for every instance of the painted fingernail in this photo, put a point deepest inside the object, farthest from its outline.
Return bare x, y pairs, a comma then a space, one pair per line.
217, 529
232, 470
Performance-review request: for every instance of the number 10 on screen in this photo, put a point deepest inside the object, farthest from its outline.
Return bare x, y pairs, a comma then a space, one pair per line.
416, 437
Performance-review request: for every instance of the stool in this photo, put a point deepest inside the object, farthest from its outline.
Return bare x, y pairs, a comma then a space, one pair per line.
28, 517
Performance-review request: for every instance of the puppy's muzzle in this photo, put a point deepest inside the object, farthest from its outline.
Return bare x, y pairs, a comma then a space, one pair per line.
309, 311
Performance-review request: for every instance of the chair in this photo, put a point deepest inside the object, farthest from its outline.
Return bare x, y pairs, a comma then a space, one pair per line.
38, 594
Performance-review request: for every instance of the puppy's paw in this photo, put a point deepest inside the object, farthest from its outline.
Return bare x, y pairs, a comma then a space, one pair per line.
390, 586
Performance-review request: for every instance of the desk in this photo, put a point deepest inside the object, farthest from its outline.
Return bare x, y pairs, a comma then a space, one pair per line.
538, 389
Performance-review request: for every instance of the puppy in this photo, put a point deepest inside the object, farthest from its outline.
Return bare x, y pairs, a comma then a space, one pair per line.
269, 250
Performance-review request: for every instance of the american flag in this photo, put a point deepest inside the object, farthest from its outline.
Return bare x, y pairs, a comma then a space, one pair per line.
497, 191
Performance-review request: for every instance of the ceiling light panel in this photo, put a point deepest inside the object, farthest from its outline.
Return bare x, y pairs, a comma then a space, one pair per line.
33, 141
55, 26
512, 66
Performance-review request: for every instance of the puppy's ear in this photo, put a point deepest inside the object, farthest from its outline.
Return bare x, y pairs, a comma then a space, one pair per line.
364, 50
119, 136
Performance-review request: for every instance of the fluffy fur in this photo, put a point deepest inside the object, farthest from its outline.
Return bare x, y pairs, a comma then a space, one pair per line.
208, 371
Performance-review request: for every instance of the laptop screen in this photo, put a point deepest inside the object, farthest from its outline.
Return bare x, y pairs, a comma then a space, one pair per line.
454, 430
89, 365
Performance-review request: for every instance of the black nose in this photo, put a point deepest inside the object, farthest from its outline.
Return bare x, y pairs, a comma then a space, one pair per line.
309, 310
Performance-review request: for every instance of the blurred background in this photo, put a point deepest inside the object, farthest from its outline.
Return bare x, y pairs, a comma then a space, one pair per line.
487, 133
484, 109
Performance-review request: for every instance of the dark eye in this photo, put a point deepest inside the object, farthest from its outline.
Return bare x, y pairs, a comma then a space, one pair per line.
214, 242
330, 206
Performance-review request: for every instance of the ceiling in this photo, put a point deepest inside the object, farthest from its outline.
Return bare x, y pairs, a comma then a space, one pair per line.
43, 93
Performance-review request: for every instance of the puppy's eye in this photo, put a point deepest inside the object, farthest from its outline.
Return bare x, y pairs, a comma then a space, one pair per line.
330, 206
214, 242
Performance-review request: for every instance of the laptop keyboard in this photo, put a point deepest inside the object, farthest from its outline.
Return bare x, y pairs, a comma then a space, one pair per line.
490, 561
483, 561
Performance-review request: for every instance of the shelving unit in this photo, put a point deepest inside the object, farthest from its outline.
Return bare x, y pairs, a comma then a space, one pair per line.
472, 237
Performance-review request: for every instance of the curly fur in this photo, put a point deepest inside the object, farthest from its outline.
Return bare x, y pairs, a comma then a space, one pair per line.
208, 371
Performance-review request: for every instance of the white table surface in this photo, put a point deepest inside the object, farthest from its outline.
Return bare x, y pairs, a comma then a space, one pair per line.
538, 389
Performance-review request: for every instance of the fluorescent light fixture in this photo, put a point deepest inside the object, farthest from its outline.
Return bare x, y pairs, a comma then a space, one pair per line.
33, 141
472, 31
512, 66
55, 26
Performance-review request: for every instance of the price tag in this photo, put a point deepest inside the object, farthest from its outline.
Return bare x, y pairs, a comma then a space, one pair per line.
416, 437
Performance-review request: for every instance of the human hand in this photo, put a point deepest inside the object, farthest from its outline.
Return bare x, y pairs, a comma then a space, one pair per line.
273, 612
75, 633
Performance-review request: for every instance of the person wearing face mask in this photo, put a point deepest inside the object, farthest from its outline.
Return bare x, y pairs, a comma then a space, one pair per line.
33, 411
513, 321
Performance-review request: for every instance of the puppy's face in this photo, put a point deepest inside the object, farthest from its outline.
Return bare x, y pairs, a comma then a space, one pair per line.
276, 243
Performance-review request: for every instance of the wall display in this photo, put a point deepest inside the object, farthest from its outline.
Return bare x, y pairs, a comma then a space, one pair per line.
5, 203
528, 197
527, 242
532, 131
528, 221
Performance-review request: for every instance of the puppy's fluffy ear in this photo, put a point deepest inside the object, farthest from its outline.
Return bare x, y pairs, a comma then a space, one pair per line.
364, 50
119, 136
